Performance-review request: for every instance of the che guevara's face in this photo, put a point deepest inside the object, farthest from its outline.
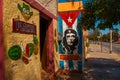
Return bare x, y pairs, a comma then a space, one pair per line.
70, 38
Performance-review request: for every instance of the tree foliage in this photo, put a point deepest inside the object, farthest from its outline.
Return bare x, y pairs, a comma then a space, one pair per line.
108, 12
106, 37
94, 35
105, 11
88, 16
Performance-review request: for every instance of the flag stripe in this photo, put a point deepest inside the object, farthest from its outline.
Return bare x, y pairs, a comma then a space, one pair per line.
60, 31
74, 26
61, 49
64, 26
75, 64
70, 62
66, 65
61, 64
79, 65
79, 30
60, 27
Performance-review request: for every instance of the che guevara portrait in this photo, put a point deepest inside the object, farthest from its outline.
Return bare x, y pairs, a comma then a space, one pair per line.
70, 41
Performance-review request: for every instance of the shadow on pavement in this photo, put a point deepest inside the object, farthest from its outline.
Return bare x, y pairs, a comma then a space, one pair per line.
95, 69
102, 69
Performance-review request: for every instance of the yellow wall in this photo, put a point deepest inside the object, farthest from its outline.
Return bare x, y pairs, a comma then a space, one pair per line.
56, 55
18, 70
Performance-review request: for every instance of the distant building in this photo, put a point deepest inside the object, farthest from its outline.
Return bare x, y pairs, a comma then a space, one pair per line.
119, 38
116, 38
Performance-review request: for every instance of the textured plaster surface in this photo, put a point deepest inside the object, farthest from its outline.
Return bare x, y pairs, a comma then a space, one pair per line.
50, 5
18, 70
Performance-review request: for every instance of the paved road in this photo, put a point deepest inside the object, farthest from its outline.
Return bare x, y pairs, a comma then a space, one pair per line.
103, 66
116, 47
102, 69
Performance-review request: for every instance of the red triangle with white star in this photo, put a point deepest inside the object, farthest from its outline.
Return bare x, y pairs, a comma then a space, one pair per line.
69, 17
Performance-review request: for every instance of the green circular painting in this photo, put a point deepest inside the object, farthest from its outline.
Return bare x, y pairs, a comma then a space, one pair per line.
15, 52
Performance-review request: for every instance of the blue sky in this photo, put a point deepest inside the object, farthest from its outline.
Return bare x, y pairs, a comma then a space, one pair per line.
107, 30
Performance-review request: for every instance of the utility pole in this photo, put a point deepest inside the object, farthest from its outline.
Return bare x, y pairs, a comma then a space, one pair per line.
110, 40
101, 41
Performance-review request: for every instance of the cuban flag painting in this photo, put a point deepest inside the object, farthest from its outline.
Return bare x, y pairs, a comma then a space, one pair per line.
70, 35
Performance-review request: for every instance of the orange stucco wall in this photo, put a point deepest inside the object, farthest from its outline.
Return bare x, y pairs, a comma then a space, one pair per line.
17, 69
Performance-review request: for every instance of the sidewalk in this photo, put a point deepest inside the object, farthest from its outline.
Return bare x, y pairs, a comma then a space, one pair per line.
99, 66
95, 52
102, 66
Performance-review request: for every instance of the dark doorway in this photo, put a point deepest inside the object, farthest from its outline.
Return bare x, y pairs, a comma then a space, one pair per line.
44, 34
43, 29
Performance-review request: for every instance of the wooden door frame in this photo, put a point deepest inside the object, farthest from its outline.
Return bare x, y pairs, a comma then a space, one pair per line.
46, 47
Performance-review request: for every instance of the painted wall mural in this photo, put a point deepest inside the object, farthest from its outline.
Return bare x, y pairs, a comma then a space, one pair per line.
70, 35
20, 52
35, 41
70, 41
25, 11
15, 52
29, 49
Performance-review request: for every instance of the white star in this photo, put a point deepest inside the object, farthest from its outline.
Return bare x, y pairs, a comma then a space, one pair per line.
69, 19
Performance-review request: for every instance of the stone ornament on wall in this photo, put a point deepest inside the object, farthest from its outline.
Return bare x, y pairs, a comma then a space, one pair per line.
25, 11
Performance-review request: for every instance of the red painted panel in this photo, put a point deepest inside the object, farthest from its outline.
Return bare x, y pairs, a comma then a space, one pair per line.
51, 48
2, 70
23, 27
45, 55
70, 57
